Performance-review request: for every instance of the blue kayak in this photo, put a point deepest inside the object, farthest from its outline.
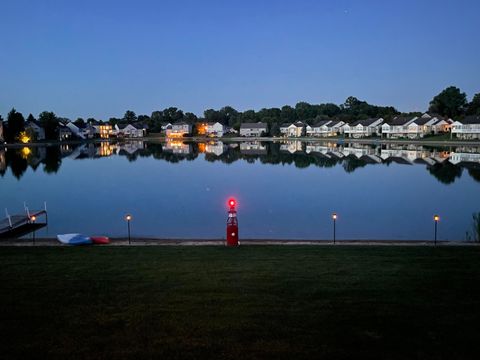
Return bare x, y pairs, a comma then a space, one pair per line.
74, 239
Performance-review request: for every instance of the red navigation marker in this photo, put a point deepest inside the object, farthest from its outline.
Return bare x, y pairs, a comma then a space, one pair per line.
232, 224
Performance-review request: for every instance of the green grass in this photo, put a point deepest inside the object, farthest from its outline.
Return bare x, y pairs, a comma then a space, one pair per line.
283, 302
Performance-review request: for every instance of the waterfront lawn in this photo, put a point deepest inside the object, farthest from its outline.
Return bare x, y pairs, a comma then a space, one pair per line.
283, 302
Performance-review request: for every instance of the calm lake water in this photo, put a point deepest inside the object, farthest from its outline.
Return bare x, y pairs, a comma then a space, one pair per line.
284, 190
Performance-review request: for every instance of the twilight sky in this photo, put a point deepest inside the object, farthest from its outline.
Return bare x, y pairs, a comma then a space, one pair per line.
100, 58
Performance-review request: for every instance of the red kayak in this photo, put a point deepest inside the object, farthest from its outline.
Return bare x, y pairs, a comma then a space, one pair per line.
100, 240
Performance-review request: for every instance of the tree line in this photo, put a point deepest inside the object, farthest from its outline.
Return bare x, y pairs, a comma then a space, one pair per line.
450, 102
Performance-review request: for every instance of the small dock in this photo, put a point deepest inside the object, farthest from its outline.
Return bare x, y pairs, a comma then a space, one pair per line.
15, 226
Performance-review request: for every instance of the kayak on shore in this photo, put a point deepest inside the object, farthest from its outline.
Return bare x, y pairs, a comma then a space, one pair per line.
79, 239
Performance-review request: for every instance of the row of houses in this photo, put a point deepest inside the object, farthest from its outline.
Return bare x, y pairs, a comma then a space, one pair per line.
182, 129
398, 127
69, 130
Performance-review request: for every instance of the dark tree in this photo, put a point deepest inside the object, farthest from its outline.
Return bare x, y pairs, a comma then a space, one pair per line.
474, 105
450, 102
30, 118
129, 117
143, 118
49, 121
79, 122
16, 124
288, 114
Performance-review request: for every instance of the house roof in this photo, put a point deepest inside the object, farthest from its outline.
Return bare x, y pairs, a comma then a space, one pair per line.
364, 122
399, 120
321, 123
334, 123
258, 125
34, 124
284, 125
471, 119
422, 120
180, 123
299, 124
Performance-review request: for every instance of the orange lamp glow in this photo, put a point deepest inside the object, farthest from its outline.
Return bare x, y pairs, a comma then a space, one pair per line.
128, 217
436, 218
33, 218
334, 216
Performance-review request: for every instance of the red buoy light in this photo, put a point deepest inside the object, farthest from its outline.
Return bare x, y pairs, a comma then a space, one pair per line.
232, 203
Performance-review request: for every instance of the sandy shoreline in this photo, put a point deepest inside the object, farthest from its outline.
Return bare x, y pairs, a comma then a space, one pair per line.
246, 242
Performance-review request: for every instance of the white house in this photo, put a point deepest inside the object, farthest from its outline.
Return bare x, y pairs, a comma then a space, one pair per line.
179, 129
420, 127
253, 129
362, 128
36, 129
80, 132
308, 130
215, 129
319, 129
467, 128
397, 127
427, 124
64, 132
334, 128
129, 130
292, 130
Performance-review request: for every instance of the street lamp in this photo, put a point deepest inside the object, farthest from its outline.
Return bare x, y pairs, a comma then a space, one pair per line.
128, 218
33, 218
436, 218
334, 217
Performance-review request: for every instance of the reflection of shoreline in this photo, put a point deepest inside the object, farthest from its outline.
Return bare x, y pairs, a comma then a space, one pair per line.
445, 163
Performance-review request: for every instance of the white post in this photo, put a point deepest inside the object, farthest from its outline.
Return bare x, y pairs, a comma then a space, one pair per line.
8, 217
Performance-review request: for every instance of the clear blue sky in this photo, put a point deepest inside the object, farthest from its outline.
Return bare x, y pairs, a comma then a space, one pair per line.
100, 58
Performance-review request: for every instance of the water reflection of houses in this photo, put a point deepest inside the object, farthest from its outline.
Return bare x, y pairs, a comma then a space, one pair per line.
253, 148
292, 146
3, 161
130, 147
178, 147
215, 147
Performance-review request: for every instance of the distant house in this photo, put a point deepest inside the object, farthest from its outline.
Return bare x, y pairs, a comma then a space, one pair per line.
129, 130
320, 128
363, 128
64, 132
308, 130
36, 129
179, 129
2, 139
76, 130
215, 129
103, 130
253, 129
442, 125
397, 127
333, 128
467, 128
296, 129
165, 126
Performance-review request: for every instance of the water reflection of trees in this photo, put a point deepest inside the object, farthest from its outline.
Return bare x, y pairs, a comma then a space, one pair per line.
445, 166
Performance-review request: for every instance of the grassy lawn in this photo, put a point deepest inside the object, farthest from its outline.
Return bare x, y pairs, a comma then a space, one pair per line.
283, 302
